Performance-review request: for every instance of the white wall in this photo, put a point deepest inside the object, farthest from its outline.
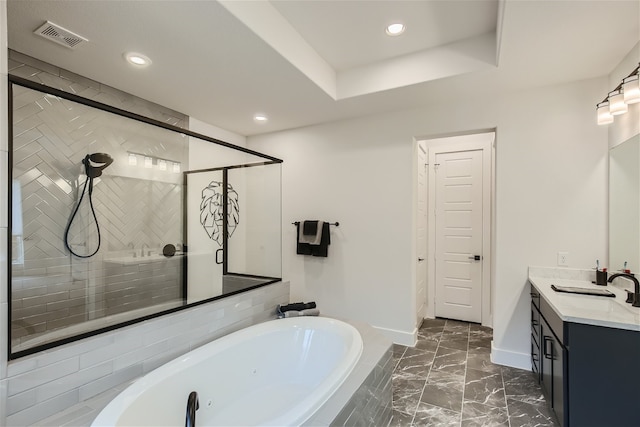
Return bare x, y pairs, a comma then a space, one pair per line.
551, 192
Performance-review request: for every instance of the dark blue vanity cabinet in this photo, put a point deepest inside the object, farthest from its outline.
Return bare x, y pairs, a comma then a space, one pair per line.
549, 354
590, 375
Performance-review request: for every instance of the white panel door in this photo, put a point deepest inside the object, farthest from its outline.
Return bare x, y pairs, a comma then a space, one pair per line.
459, 229
421, 236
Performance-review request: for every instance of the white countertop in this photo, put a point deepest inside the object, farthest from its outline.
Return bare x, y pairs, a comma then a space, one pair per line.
587, 309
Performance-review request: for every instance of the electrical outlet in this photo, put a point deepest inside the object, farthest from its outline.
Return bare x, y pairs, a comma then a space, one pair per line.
563, 259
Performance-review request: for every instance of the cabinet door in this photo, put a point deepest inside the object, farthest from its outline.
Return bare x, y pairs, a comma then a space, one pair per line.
552, 375
535, 341
557, 365
546, 365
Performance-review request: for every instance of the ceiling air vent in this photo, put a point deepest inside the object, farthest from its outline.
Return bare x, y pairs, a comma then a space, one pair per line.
60, 35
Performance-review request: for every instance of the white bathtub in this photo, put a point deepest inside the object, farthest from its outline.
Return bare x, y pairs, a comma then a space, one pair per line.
276, 373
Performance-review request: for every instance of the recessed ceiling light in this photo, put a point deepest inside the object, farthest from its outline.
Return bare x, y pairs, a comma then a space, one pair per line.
260, 118
137, 59
395, 29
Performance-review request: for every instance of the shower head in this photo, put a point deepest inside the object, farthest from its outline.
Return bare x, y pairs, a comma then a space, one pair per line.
95, 163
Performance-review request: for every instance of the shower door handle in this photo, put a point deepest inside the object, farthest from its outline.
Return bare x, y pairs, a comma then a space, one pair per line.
220, 256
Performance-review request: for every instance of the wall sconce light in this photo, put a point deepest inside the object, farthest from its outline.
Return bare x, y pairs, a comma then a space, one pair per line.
604, 116
631, 89
150, 161
617, 101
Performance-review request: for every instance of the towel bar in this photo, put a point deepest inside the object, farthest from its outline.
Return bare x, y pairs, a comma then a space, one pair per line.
337, 224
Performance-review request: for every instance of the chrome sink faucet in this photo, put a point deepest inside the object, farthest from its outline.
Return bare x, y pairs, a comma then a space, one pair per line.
192, 406
636, 294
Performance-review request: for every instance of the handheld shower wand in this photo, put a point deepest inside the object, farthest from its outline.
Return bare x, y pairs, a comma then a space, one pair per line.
94, 164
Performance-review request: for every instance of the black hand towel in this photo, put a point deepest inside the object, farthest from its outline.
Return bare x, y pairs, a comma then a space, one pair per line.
322, 250
301, 248
310, 228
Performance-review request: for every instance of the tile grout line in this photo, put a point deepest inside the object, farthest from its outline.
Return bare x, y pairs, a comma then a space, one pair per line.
506, 402
427, 377
466, 366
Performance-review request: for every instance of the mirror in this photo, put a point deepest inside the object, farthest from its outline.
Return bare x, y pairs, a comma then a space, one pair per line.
624, 205
116, 218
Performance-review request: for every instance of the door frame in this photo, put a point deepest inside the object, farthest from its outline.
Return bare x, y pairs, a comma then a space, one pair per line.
485, 141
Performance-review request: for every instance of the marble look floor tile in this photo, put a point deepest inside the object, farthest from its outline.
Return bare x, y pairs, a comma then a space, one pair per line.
429, 342
449, 379
457, 342
522, 385
480, 330
415, 363
398, 350
475, 349
428, 323
401, 419
406, 394
480, 341
455, 332
456, 324
485, 388
450, 360
430, 415
444, 391
482, 362
522, 414
476, 414
431, 380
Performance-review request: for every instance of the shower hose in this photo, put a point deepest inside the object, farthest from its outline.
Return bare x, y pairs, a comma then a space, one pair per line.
87, 183
94, 164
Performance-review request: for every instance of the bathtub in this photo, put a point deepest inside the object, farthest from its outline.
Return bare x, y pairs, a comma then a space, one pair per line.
276, 373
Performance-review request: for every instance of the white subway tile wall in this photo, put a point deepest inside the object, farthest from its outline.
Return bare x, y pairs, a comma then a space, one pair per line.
46, 383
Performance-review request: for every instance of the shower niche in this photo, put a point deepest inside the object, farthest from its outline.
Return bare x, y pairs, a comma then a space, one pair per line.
116, 218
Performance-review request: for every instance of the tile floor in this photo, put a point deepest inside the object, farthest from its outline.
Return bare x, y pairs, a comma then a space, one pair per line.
447, 379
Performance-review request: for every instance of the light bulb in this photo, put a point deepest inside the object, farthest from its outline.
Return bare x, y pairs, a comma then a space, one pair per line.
176, 167
631, 89
133, 159
604, 117
148, 162
616, 103
162, 165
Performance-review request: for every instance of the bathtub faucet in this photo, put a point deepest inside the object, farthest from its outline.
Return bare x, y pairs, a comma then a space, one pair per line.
192, 406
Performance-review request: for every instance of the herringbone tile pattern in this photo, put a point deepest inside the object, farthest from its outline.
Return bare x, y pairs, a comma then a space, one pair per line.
134, 206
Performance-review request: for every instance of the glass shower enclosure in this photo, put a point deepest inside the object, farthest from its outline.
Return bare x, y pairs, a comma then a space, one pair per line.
116, 218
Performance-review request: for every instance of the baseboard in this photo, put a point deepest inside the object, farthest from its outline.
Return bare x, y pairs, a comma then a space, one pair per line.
510, 358
408, 339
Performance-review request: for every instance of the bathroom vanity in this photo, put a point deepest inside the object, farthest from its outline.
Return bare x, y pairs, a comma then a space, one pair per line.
585, 351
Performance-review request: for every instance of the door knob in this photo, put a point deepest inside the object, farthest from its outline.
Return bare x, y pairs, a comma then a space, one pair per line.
476, 257
420, 259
